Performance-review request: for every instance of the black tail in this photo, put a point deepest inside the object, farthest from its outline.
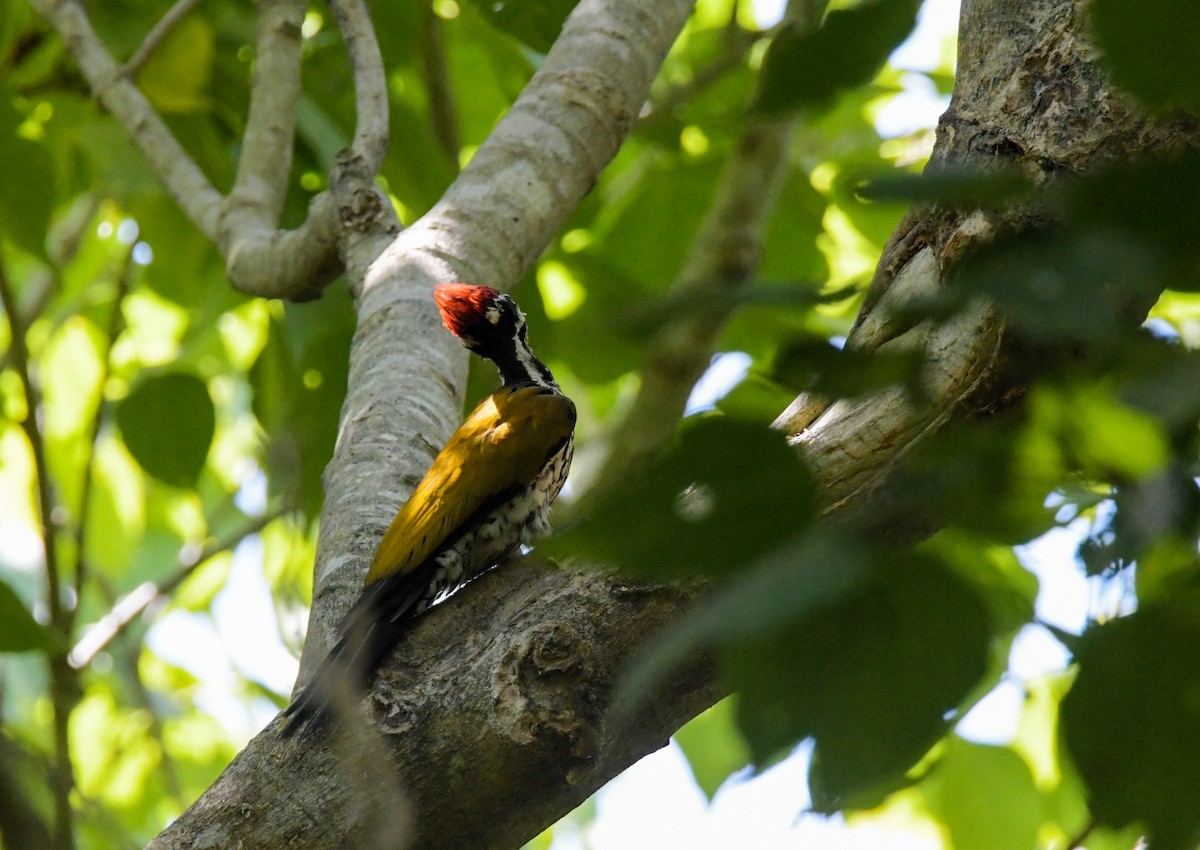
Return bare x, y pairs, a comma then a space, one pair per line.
371, 628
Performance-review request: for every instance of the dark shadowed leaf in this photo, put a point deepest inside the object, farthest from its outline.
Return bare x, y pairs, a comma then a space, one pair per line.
19, 632
955, 188
1023, 465
726, 494
1151, 47
1132, 721
168, 423
819, 367
535, 22
809, 68
1150, 203
1085, 285
299, 384
794, 582
871, 679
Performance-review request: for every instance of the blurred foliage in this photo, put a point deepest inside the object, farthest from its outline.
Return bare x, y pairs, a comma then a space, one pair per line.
176, 413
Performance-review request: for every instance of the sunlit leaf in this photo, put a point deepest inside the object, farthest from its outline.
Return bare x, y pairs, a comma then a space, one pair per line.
986, 797
177, 74
713, 746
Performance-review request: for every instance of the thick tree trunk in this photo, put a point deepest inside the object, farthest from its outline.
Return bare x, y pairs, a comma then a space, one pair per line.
491, 721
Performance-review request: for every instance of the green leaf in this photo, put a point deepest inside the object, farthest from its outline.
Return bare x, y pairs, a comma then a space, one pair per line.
1022, 465
985, 796
176, 75
1151, 47
725, 495
808, 68
19, 632
713, 747
796, 581
1131, 721
871, 679
27, 192
1149, 204
168, 423
1079, 285
535, 22
952, 187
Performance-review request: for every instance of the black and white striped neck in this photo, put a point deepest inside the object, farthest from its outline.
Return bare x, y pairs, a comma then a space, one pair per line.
518, 365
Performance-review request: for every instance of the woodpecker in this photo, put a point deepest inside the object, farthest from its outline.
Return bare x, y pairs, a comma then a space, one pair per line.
489, 491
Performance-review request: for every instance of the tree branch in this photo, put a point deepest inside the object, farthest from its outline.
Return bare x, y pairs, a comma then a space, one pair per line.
297, 264
260, 260
370, 81
510, 680
404, 398
253, 206
183, 179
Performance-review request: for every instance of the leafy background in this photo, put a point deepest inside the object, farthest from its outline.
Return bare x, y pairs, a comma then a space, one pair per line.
185, 428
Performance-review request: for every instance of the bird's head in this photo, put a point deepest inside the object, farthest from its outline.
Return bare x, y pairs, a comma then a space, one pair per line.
487, 321
492, 325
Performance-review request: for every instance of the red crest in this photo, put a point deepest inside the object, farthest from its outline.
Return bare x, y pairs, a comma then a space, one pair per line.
463, 305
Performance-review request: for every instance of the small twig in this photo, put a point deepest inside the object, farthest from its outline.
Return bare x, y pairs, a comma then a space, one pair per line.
62, 680
156, 37
442, 107
89, 466
265, 165
370, 81
126, 609
298, 263
19, 360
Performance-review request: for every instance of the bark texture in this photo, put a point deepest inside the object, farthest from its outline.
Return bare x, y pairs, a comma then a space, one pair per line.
492, 720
